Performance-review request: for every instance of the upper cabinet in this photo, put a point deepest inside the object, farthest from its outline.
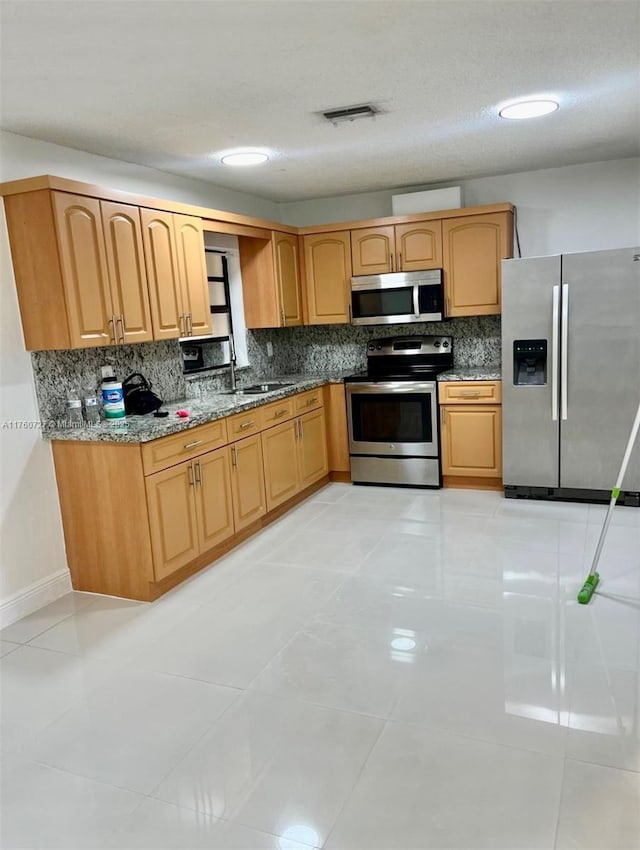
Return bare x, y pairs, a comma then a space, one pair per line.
327, 273
418, 246
373, 250
287, 270
92, 272
125, 262
403, 247
177, 274
271, 280
85, 279
473, 248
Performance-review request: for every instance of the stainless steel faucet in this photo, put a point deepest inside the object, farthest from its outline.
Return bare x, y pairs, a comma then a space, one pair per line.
232, 363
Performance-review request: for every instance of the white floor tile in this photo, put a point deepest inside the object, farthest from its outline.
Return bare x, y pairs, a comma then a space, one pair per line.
48, 808
111, 627
162, 826
29, 627
275, 765
133, 729
424, 789
230, 641
38, 686
339, 667
600, 809
254, 693
6, 647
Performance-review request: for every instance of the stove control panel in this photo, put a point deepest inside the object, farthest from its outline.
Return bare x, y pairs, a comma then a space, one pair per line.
410, 346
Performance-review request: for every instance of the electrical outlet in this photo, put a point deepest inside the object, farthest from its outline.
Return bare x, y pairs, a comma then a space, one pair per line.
269, 349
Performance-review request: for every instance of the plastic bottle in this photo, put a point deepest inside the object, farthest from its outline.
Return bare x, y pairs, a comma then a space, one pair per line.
73, 409
112, 396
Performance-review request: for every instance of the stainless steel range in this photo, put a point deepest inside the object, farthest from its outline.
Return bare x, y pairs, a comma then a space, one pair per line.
392, 411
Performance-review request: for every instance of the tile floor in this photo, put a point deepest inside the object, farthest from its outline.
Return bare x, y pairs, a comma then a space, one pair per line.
381, 668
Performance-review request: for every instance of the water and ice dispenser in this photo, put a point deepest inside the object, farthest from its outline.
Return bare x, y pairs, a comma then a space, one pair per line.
530, 362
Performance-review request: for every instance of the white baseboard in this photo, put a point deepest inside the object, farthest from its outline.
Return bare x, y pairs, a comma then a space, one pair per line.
33, 597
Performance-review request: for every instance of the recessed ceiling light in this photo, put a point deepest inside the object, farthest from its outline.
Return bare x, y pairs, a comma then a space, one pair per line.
529, 108
244, 158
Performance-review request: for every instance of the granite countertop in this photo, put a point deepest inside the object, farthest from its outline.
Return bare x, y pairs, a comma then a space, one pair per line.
472, 373
142, 429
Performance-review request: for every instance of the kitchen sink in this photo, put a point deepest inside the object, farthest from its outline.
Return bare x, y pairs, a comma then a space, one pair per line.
256, 389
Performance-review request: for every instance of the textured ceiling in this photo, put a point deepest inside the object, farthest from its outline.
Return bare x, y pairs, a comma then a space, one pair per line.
166, 83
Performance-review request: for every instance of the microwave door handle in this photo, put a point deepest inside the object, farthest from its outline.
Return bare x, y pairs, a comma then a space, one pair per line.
416, 302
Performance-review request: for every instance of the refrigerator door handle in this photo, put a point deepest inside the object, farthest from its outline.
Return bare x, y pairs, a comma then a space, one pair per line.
564, 360
555, 340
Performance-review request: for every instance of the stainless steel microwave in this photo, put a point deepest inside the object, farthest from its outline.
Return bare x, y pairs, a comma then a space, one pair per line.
397, 298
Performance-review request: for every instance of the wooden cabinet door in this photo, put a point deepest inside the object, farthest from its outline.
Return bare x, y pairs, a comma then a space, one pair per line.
84, 270
165, 292
280, 463
473, 248
127, 273
312, 448
419, 246
472, 440
214, 502
372, 250
287, 271
327, 277
247, 481
192, 271
172, 518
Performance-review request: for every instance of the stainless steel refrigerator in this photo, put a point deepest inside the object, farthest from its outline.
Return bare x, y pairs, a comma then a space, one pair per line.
570, 373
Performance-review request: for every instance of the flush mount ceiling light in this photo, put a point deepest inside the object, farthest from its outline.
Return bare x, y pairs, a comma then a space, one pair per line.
244, 158
530, 108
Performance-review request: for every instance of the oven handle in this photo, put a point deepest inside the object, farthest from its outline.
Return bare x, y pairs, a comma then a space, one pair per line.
391, 386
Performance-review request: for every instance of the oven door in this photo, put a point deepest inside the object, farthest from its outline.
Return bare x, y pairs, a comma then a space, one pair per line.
394, 418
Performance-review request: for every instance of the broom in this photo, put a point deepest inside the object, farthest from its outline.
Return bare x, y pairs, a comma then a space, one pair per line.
591, 582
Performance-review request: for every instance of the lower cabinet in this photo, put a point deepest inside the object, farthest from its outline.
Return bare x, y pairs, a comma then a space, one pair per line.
312, 448
472, 440
295, 456
190, 510
279, 446
247, 481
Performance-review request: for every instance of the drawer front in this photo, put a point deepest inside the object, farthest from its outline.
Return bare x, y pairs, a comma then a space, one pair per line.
277, 411
308, 401
244, 424
167, 451
470, 392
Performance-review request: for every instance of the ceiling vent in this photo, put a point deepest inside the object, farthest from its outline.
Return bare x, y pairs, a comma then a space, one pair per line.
350, 113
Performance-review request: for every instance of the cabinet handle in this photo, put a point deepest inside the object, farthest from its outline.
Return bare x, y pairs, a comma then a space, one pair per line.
113, 338
301, 430
198, 470
391, 261
443, 416
296, 425
246, 425
120, 321
182, 325
350, 316
311, 401
280, 413
283, 317
189, 324
190, 468
191, 445
470, 393
234, 456
447, 306
400, 262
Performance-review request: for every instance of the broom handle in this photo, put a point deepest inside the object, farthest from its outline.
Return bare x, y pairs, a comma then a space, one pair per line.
616, 491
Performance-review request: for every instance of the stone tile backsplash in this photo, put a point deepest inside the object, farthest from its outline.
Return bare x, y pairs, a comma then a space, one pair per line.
304, 350
61, 374
338, 347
